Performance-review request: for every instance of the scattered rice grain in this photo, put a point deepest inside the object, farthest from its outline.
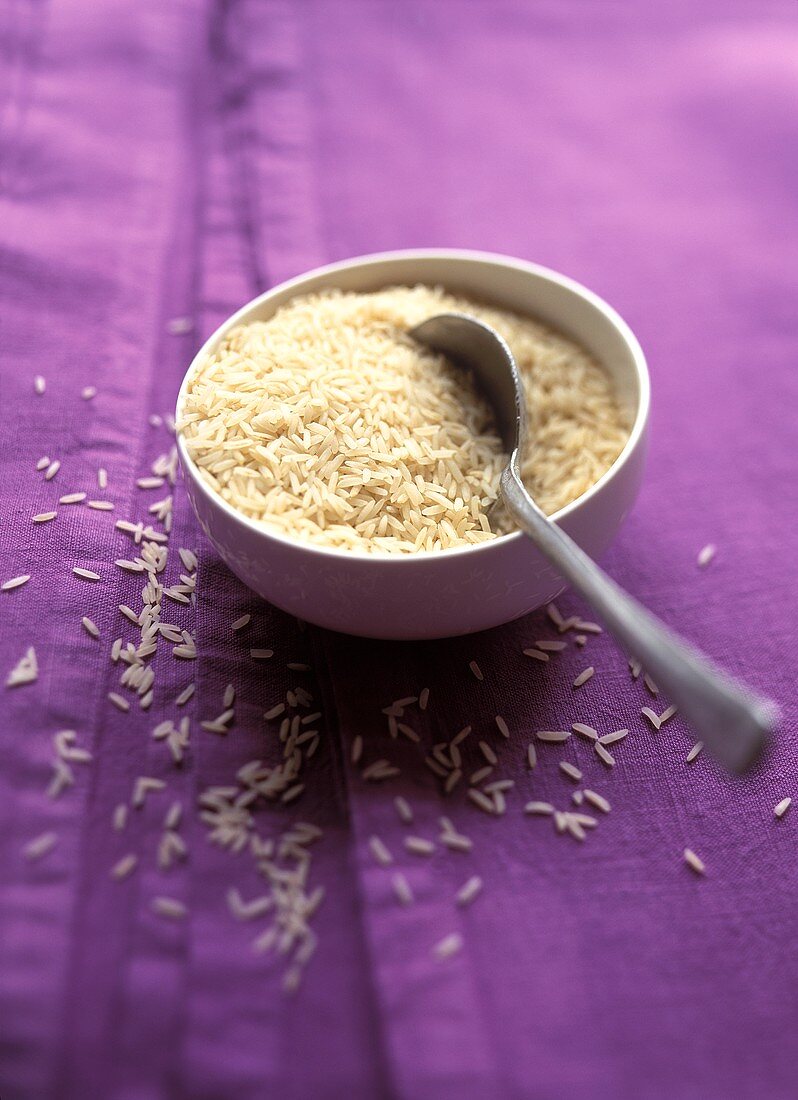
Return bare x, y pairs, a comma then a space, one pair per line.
604, 756
469, 890
418, 846
40, 846
694, 862
379, 851
706, 555
125, 865
15, 582
403, 809
401, 888
90, 627
448, 946
169, 907
85, 574
597, 800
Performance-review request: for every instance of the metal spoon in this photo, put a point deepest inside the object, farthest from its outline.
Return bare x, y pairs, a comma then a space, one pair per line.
732, 720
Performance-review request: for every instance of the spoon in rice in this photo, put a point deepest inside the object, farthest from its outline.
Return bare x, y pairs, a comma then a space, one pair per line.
732, 720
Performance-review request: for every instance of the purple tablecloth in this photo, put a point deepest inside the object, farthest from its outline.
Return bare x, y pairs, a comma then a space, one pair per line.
172, 160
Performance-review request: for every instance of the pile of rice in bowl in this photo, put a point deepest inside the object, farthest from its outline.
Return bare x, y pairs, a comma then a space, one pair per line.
329, 423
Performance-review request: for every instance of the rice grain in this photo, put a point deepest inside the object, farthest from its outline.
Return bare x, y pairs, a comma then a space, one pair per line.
15, 582
584, 676
469, 890
694, 862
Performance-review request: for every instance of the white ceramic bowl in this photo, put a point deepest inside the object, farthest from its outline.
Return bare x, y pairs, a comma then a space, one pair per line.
435, 595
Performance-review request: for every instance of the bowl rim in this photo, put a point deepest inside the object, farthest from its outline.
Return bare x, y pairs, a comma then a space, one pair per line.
471, 255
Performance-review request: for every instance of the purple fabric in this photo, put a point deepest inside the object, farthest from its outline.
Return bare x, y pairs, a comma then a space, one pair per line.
162, 160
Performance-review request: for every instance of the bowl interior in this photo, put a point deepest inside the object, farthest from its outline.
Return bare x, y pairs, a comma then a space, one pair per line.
525, 288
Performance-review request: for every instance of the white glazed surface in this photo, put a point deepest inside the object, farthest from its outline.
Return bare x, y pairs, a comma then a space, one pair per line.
436, 595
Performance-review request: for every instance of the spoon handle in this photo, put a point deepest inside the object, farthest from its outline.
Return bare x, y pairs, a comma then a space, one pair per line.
732, 721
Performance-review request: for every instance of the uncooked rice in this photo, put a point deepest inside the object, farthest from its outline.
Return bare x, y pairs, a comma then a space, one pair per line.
329, 423
538, 808
652, 717
604, 756
481, 800
15, 582
124, 866
448, 946
379, 851
584, 676
488, 752
612, 738
169, 907
585, 731
781, 808
456, 842
706, 555
555, 737
25, 671
694, 862
403, 809
469, 890
40, 846
597, 800
86, 574
418, 846
90, 627
401, 888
